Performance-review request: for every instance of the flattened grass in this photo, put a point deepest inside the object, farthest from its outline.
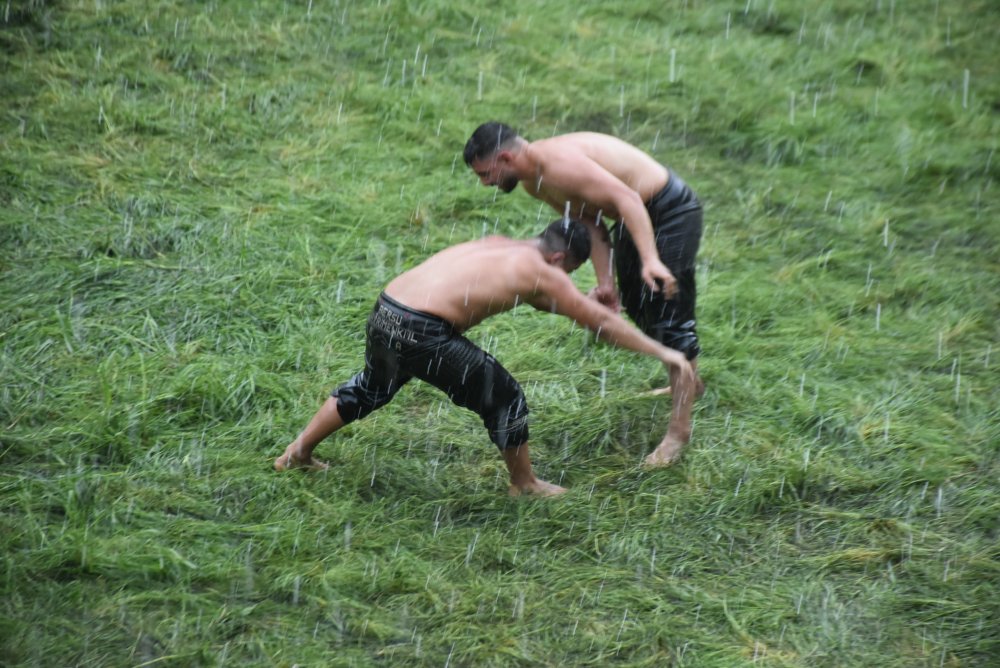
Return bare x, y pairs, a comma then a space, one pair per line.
198, 203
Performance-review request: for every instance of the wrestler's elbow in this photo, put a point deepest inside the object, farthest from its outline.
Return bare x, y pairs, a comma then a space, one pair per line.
629, 200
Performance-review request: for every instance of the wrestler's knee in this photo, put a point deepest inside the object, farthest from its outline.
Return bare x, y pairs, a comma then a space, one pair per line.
683, 338
508, 431
355, 400
688, 346
505, 414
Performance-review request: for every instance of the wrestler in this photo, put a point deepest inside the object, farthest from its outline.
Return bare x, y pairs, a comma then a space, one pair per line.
656, 230
416, 327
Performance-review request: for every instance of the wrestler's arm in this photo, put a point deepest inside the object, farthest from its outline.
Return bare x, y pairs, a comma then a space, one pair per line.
600, 257
602, 190
556, 293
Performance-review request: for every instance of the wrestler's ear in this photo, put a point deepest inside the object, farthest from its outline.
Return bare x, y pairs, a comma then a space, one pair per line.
558, 259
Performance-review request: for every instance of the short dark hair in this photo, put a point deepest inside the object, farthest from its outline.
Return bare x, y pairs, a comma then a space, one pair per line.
567, 235
487, 140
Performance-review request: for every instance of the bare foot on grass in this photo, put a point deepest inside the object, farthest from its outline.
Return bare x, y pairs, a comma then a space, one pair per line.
536, 488
290, 459
668, 452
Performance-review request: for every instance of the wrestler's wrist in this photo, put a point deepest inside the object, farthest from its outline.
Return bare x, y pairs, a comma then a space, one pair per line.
651, 259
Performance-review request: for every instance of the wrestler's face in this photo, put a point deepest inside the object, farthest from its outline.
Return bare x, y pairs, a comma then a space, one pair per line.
569, 265
495, 171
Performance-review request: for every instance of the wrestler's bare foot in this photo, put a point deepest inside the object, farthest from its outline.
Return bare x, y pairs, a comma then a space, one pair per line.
291, 459
536, 487
666, 453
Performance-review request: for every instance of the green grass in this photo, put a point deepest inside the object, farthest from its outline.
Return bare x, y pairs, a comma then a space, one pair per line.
199, 202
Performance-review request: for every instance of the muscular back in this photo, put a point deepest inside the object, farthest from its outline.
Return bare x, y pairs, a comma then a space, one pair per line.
471, 281
467, 283
560, 179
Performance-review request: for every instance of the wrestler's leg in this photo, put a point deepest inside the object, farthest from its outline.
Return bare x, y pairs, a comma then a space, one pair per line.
298, 454
475, 380
677, 240
699, 389
676, 329
365, 392
679, 429
522, 476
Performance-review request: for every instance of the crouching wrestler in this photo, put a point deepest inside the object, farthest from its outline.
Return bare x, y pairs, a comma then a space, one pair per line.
415, 331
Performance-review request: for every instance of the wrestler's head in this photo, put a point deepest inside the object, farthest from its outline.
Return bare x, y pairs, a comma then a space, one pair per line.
489, 153
565, 243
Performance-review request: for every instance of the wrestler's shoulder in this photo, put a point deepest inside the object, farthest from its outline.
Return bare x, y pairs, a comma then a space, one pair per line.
571, 140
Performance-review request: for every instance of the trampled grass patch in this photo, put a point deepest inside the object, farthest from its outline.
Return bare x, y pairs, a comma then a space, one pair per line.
200, 201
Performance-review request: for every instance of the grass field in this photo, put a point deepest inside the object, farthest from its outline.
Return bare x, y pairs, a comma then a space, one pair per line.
199, 202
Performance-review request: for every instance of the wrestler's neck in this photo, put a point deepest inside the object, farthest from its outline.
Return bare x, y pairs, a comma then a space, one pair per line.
535, 243
524, 161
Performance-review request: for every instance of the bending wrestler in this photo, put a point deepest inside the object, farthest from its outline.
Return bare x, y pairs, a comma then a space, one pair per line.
656, 230
415, 331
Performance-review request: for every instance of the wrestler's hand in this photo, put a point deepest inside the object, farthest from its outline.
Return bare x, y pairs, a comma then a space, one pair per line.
654, 272
687, 377
606, 295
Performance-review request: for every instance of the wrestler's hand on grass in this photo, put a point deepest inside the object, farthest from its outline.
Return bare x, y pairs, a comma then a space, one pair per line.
654, 273
606, 295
